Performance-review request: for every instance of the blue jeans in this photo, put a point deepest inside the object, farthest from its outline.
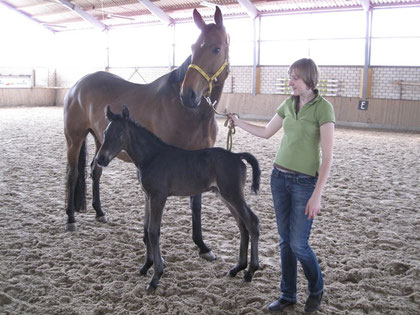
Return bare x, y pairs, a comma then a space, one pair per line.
291, 192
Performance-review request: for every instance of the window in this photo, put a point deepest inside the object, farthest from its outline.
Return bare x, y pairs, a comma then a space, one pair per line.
241, 48
333, 38
396, 37
144, 46
81, 49
186, 34
24, 43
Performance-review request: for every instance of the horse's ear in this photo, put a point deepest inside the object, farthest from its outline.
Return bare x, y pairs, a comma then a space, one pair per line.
109, 115
198, 20
218, 18
125, 112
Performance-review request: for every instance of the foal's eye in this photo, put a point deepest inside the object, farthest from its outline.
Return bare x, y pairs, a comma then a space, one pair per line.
216, 50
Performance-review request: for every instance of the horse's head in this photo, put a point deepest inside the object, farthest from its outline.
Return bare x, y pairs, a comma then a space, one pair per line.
114, 136
209, 66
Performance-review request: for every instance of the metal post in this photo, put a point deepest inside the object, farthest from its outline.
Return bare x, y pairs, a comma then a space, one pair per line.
368, 36
254, 63
107, 50
172, 29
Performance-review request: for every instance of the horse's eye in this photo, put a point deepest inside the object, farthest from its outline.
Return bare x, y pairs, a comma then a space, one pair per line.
216, 50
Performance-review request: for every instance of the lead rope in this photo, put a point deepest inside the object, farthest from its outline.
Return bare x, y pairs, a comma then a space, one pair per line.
231, 131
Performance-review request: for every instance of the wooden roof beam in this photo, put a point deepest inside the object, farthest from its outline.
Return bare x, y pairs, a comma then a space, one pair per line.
27, 16
84, 15
158, 12
249, 8
366, 5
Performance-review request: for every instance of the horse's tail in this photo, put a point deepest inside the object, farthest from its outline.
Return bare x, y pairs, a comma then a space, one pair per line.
256, 172
80, 189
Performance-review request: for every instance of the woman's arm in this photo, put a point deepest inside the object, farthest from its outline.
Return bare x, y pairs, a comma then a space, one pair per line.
266, 131
327, 142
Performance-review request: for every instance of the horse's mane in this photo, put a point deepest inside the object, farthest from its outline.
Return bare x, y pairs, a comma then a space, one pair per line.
178, 74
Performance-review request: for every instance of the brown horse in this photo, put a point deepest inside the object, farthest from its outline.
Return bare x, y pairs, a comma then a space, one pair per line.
173, 107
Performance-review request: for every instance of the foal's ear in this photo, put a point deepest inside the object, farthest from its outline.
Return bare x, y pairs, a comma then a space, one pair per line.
109, 115
125, 112
198, 20
218, 18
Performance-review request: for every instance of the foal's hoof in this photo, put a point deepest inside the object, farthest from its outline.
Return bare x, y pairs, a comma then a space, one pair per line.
71, 227
102, 219
143, 270
248, 276
232, 273
208, 256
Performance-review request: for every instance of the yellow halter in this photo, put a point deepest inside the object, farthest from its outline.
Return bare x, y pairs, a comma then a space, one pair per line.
207, 77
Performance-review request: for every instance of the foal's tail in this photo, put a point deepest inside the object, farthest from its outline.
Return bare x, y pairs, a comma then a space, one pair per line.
256, 172
80, 190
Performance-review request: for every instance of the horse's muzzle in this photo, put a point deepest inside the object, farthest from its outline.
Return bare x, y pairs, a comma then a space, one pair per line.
190, 99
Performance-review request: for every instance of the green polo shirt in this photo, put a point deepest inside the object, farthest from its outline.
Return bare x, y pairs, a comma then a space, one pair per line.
300, 148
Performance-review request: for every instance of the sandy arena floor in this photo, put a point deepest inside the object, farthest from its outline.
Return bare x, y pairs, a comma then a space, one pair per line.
367, 237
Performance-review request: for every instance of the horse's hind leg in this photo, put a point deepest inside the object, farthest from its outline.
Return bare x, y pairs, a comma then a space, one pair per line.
74, 181
96, 173
205, 251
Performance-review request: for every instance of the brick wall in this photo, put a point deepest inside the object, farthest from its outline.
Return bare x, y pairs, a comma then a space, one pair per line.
383, 83
383, 80
240, 79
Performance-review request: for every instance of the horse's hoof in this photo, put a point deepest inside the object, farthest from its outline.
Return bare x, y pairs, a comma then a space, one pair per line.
71, 227
150, 289
208, 256
102, 219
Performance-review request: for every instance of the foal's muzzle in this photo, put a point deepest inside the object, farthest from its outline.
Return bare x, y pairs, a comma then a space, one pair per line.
102, 160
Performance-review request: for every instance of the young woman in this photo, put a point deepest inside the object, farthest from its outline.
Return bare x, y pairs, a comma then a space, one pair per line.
298, 177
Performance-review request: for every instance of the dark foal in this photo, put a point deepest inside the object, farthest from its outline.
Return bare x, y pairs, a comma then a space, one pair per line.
166, 170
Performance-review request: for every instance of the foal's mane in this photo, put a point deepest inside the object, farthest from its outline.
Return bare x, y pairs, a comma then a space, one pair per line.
137, 127
178, 74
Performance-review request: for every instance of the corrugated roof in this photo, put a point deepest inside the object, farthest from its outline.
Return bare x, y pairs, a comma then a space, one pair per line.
60, 15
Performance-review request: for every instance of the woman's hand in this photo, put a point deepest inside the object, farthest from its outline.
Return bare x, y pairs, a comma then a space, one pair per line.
313, 207
233, 119
257, 130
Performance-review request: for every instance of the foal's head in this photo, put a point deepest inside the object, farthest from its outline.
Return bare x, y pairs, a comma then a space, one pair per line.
115, 136
209, 61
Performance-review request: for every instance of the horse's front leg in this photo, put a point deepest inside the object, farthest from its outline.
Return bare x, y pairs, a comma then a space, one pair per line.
72, 175
197, 236
96, 173
156, 209
148, 262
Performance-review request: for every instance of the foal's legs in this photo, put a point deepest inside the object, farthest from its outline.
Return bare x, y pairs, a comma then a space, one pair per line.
248, 225
205, 252
243, 248
252, 223
148, 262
157, 202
